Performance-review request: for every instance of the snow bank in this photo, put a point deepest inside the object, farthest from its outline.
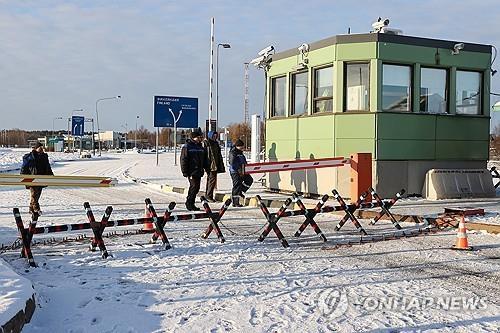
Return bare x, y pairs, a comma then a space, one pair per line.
16, 299
11, 159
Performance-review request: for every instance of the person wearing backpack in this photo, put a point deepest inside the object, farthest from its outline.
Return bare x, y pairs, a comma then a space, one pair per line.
36, 163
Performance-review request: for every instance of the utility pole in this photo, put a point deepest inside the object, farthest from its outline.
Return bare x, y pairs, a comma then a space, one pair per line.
210, 97
245, 106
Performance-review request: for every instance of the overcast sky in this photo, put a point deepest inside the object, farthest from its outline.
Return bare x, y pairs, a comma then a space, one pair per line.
58, 56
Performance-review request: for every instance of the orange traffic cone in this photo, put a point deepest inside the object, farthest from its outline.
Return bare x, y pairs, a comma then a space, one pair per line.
148, 226
462, 242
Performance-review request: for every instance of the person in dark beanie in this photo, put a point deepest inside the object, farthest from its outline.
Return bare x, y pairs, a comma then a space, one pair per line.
215, 163
193, 166
241, 181
36, 163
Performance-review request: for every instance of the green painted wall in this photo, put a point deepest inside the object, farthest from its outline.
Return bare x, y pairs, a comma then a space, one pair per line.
432, 56
387, 135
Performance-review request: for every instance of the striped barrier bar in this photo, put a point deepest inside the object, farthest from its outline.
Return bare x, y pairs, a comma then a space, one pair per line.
31, 230
349, 211
310, 214
295, 165
159, 231
98, 229
214, 218
272, 220
26, 249
386, 205
496, 175
49, 180
159, 225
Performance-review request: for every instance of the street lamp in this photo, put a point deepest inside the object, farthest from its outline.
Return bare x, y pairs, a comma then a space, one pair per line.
225, 46
126, 131
53, 131
135, 139
97, 119
53, 125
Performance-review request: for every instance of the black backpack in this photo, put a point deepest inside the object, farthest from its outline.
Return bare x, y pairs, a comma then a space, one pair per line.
28, 167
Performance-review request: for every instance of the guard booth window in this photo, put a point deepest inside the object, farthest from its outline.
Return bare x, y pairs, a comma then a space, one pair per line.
433, 90
300, 89
357, 87
323, 90
278, 96
468, 92
396, 87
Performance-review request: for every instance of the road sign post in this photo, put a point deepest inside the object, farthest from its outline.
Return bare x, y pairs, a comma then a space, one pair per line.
168, 111
175, 132
77, 128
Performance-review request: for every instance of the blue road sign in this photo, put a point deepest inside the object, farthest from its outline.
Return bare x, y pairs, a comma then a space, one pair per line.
77, 125
163, 116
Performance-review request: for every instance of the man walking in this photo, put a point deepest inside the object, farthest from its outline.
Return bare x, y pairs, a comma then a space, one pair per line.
241, 181
193, 165
215, 163
36, 163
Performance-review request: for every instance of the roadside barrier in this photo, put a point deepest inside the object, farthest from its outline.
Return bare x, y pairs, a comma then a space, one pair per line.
59, 181
310, 214
159, 222
360, 166
496, 175
26, 234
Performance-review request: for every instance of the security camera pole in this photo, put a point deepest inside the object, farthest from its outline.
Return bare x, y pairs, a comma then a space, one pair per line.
175, 133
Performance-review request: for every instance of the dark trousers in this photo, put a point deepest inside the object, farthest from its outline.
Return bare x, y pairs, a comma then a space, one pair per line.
194, 188
211, 184
241, 183
35, 193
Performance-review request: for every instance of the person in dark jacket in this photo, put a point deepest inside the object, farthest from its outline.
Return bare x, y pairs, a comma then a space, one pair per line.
193, 166
215, 163
36, 163
241, 181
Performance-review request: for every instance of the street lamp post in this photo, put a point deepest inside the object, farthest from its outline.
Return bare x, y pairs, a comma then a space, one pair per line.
135, 139
53, 124
54, 130
87, 120
126, 131
175, 133
97, 119
225, 46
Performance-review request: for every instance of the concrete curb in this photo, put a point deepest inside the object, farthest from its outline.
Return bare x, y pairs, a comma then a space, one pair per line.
18, 296
16, 323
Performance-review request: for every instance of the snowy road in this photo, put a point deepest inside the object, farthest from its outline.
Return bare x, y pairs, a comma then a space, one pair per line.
413, 284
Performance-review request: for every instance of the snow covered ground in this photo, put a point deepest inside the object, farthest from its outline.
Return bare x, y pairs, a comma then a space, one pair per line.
11, 159
410, 284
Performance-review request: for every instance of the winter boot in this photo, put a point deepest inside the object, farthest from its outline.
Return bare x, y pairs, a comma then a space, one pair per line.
191, 207
236, 202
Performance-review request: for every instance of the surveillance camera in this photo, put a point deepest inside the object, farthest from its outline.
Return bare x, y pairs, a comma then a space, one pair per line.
456, 48
257, 60
266, 51
379, 24
304, 48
